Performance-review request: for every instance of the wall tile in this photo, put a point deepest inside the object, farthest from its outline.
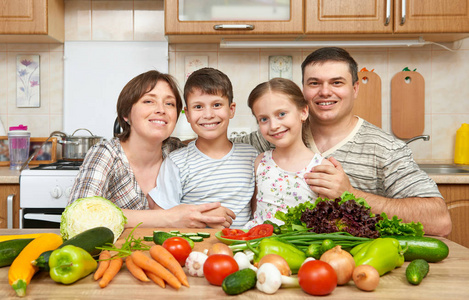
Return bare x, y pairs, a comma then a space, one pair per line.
78, 20
149, 20
112, 20
444, 135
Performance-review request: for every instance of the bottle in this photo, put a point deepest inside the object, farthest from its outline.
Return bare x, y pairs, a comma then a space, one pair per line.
18, 141
461, 148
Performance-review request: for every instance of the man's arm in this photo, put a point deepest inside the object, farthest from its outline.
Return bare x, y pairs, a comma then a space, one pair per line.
254, 139
432, 212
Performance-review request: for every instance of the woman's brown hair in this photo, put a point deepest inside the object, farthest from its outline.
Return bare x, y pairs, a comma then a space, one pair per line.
135, 89
287, 88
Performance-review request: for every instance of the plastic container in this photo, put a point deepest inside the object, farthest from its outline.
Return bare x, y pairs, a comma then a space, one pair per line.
18, 142
461, 148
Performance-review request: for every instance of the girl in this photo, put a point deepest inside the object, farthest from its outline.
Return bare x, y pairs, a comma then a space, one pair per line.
282, 114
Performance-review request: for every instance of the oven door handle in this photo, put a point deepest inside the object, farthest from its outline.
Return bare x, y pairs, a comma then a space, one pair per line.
43, 217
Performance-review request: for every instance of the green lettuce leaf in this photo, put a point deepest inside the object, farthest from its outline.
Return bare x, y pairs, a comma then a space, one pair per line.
395, 226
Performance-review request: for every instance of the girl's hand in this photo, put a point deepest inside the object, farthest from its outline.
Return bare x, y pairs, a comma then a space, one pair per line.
193, 216
227, 213
328, 179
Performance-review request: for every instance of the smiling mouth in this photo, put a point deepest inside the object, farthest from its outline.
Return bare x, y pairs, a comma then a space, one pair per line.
325, 103
279, 134
160, 122
209, 125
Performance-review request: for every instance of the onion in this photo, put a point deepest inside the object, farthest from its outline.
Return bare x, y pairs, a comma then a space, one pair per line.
341, 261
366, 277
279, 262
220, 248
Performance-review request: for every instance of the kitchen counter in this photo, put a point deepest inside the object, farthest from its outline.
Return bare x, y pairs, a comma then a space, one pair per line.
9, 176
447, 279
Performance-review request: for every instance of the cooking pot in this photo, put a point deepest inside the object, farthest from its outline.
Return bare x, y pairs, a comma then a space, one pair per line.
75, 147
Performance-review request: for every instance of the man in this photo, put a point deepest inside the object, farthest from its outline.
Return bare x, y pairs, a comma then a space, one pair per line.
368, 162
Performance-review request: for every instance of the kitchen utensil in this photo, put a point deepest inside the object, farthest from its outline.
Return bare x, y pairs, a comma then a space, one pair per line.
368, 103
461, 147
18, 142
407, 104
75, 147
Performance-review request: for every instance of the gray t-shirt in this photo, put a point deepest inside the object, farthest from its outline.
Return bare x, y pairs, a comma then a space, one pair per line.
375, 161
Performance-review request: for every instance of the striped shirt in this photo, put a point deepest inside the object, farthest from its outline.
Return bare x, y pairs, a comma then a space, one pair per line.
106, 172
191, 177
375, 162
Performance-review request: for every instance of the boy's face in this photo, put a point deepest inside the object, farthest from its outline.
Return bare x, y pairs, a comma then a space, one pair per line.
209, 115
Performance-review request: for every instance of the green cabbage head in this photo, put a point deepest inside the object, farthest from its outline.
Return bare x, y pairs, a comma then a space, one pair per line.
90, 212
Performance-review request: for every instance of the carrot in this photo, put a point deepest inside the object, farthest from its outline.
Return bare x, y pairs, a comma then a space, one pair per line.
156, 279
104, 261
149, 264
135, 270
111, 272
164, 257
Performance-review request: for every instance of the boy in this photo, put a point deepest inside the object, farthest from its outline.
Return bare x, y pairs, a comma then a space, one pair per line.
211, 168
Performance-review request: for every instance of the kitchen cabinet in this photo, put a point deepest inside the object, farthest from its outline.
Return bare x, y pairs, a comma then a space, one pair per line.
9, 205
32, 21
193, 21
457, 201
434, 20
416, 17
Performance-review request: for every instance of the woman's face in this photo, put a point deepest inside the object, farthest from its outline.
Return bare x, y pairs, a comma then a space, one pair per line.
154, 115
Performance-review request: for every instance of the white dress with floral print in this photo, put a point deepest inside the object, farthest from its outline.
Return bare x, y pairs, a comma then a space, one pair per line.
277, 189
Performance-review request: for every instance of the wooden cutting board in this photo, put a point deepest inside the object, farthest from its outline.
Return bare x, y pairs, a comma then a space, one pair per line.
407, 104
368, 103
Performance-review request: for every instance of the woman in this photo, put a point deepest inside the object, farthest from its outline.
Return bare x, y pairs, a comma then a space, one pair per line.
125, 169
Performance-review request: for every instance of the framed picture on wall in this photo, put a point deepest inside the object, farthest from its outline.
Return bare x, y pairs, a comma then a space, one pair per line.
45, 155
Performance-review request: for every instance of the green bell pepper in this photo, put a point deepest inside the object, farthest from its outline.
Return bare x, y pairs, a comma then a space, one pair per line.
294, 256
70, 263
384, 254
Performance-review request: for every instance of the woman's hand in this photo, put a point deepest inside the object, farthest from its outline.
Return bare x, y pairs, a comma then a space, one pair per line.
199, 216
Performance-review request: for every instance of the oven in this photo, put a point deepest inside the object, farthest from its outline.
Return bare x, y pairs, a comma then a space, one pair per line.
44, 193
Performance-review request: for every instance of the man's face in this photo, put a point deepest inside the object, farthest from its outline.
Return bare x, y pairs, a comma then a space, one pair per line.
329, 90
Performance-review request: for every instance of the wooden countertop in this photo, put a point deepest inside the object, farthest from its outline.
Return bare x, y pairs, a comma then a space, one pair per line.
447, 279
9, 176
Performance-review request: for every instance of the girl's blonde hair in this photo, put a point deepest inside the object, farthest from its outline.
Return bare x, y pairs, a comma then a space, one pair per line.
285, 87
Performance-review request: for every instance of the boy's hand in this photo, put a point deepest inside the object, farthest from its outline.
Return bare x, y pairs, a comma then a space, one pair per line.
221, 211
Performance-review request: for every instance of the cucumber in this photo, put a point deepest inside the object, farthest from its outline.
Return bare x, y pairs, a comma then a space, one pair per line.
416, 271
196, 238
160, 236
188, 234
239, 282
148, 238
427, 248
87, 240
205, 235
10, 249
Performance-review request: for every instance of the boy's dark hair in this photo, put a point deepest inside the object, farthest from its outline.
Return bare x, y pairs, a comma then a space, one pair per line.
209, 81
135, 89
326, 54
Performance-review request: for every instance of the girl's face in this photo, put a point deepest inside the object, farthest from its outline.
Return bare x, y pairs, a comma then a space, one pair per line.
280, 120
154, 116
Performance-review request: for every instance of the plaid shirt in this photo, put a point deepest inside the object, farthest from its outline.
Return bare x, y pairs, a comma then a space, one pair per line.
106, 172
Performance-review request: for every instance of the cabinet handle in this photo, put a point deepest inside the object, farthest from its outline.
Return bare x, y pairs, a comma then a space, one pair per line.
388, 13
10, 211
403, 15
233, 26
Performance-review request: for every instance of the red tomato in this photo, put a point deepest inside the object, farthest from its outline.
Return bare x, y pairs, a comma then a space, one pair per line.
218, 266
228, 232
179, 248
317, 278
262, 230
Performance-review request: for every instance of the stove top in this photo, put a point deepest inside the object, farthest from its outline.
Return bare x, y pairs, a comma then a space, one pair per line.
60, 165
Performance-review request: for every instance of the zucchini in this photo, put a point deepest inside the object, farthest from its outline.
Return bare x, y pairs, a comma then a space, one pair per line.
427, 248
416, 271
205, 235
10, 249
239, 282
87, 240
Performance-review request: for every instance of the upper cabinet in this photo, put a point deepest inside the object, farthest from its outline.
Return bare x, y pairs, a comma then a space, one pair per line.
386, 16
210, 20
32, 21
214, 18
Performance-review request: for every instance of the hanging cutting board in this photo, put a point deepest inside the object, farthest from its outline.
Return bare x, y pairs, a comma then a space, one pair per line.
368, 103
407, 104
